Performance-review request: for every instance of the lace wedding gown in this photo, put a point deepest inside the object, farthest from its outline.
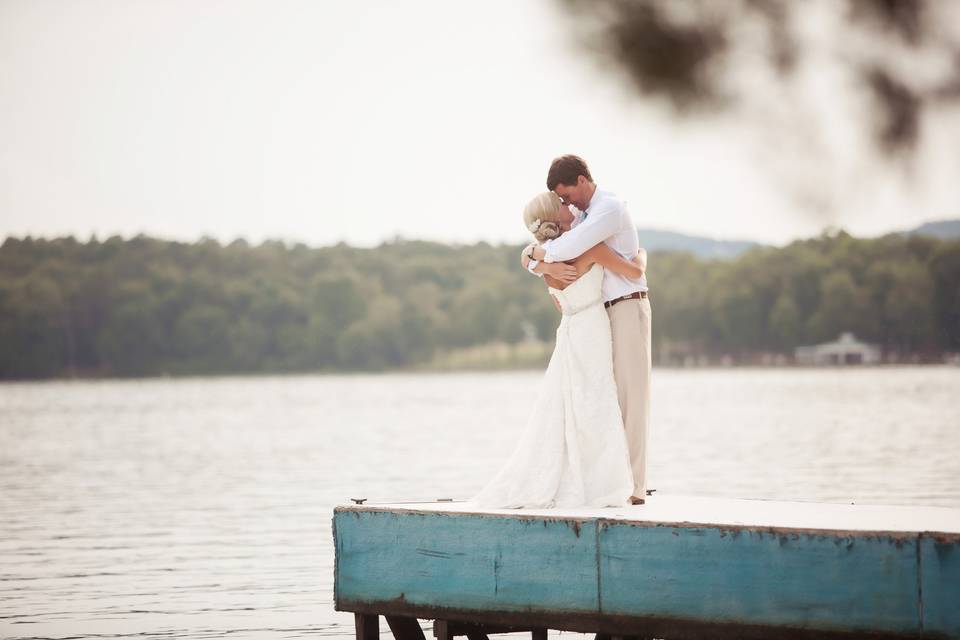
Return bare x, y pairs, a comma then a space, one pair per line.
573, 449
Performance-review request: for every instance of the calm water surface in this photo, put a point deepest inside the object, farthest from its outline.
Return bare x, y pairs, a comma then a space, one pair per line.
201, 507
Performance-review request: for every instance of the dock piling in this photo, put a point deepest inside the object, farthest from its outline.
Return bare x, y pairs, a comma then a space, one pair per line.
367, 625
405, 628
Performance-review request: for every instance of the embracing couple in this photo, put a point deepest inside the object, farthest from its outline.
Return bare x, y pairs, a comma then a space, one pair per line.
585, 442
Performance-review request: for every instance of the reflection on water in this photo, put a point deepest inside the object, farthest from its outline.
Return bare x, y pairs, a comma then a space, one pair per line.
201, 507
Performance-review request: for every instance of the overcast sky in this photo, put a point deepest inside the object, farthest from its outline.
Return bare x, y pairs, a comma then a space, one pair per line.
358, 121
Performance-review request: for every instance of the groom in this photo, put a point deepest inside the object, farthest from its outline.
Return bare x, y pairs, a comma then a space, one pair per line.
603, 217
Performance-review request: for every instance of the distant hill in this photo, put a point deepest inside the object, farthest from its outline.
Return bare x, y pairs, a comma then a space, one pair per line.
710, 248
660, 240
938, 229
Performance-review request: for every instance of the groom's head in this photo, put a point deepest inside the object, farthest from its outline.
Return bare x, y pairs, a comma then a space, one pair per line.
570, 179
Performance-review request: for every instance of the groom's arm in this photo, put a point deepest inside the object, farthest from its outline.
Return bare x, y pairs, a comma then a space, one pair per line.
599, 226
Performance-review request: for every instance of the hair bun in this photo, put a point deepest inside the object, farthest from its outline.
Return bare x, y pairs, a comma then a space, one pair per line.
538, 214
548, 231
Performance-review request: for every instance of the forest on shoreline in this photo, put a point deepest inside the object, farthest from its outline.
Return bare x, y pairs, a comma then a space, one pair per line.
146, 306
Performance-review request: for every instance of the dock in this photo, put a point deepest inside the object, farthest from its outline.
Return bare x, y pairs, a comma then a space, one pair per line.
675, 567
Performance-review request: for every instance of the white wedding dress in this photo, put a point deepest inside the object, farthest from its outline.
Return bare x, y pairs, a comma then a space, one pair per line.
573, 449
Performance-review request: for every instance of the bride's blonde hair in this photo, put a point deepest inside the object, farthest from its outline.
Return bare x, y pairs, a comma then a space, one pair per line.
540, 216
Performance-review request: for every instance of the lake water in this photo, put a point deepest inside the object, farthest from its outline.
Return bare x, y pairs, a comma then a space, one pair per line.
201, 507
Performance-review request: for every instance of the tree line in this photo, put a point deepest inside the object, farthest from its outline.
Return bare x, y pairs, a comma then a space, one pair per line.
147, 306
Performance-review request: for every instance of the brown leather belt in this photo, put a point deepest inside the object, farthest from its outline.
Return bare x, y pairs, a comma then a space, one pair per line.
629, 296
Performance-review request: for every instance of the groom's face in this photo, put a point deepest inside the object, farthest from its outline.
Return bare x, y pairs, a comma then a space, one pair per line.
577, 194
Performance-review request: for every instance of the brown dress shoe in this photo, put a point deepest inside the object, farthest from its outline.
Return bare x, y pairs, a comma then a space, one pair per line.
636, 500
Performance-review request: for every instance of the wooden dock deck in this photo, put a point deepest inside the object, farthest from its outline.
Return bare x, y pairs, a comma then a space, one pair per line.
676, 567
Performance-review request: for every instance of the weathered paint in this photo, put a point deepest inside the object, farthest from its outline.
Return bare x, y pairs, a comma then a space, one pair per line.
801, 580
682, 579
939, 561
466, 561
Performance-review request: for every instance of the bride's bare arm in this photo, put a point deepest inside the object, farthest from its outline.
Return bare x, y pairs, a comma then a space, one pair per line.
610, 259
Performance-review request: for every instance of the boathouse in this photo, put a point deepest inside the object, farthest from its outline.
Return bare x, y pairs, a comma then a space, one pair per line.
844, 350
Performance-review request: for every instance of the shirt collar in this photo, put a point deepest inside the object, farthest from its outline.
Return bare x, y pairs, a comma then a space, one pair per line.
592, 198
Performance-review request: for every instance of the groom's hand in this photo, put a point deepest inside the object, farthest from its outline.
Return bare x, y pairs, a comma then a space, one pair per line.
562, 271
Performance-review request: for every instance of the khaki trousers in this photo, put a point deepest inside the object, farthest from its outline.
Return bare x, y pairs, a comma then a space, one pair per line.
630, 324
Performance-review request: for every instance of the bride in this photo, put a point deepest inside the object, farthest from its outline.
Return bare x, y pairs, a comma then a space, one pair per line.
573, 449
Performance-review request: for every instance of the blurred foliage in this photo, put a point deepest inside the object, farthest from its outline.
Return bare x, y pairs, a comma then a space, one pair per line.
145, 306
903, 54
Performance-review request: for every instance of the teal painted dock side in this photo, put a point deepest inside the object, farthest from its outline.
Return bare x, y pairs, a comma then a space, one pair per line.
940, 583
677, 567
470, 562
769, 578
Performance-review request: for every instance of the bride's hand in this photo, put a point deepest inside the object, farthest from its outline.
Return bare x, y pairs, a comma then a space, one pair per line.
562, 271
641, 260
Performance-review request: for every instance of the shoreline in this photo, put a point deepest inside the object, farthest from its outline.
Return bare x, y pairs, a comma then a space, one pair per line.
425, 371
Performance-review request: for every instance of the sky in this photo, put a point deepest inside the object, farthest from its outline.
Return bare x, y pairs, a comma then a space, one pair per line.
322, 122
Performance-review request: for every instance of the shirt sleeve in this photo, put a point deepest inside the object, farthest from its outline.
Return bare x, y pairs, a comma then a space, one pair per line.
602, 223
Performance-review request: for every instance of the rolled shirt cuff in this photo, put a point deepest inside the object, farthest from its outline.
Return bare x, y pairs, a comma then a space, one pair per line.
547, 255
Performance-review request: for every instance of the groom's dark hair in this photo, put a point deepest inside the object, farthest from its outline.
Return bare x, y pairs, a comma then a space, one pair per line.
565, 169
